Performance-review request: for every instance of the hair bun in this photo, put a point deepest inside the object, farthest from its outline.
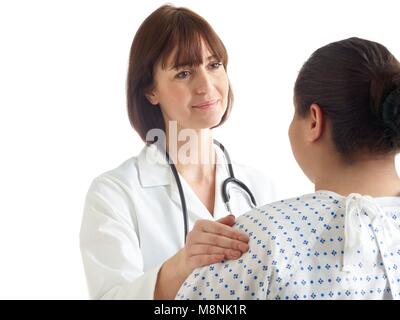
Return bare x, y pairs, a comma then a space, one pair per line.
391, 110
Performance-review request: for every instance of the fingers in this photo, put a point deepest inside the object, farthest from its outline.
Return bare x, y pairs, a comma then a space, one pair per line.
217, 240
228, 220
200, 249
219, 229
205, 260
211, 241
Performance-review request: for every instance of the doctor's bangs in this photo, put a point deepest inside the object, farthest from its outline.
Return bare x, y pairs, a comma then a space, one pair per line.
184, 44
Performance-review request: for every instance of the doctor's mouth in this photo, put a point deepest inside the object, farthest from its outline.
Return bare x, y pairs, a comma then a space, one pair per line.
206, 105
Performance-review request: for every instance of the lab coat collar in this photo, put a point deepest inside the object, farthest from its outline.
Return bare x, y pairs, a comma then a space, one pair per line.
153, 168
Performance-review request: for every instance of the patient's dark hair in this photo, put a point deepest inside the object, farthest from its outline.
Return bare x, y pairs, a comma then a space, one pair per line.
356, 83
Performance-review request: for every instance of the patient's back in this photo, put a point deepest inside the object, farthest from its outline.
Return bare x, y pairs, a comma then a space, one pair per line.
317, 246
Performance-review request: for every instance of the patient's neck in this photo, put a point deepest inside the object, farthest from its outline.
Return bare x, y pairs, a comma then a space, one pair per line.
375, 177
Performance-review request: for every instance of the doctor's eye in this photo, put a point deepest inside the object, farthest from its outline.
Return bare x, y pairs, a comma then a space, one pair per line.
183, 74
216, 65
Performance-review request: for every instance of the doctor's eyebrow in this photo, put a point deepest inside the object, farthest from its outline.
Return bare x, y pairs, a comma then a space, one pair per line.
191, 64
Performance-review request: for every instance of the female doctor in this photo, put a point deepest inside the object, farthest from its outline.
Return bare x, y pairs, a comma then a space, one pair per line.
148, 223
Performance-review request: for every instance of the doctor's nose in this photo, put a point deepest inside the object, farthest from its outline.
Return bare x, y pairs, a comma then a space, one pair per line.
204, 82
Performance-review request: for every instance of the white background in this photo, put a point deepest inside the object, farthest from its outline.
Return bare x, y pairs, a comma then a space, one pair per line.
63, 117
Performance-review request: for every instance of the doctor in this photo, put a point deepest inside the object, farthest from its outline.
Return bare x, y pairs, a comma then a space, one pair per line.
148, 223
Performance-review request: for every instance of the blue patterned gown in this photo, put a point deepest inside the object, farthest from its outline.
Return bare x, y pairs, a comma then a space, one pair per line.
317, 246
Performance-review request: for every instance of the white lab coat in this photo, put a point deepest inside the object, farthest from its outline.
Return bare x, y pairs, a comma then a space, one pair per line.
132, 221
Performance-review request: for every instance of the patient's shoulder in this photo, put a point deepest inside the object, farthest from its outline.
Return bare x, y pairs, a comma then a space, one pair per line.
289, 218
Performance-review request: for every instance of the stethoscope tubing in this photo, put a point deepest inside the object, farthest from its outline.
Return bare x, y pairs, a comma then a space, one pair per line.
224, 187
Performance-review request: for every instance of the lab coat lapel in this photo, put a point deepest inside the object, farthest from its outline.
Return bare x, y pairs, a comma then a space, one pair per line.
196, 209
154, 170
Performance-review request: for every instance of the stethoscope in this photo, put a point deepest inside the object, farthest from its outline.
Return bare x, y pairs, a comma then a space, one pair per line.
224, 190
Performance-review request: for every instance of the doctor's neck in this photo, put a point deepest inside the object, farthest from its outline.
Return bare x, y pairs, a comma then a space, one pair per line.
374, 176
192, 152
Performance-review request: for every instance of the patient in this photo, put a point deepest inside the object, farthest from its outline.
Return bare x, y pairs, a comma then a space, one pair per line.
343, 241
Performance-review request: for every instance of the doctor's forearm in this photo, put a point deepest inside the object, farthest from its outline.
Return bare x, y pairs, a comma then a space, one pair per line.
170, 278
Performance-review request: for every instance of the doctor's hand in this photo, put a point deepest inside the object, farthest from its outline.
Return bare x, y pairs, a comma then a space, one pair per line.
211, 241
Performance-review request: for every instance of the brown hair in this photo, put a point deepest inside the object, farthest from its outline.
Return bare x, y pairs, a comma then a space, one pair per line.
356, 83
166, 29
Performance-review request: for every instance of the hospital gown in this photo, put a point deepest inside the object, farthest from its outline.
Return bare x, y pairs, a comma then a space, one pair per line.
317, 246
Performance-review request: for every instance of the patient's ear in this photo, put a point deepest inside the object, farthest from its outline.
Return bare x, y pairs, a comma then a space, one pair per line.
316, 123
